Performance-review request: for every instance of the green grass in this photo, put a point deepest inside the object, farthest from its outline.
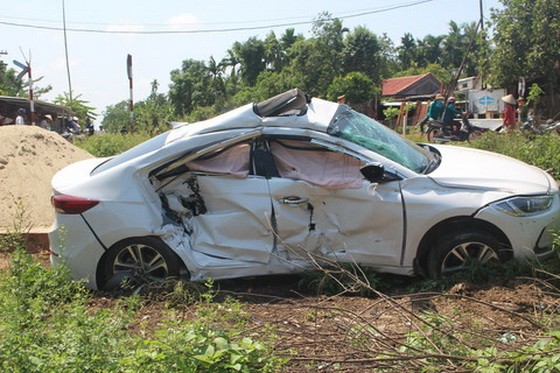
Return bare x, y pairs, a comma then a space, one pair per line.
49, 323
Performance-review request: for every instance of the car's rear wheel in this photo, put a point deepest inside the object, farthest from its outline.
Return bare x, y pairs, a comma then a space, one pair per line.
139, 261
454, 252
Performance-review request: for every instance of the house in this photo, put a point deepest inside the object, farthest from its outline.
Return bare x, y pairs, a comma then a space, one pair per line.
417, 89
411, 87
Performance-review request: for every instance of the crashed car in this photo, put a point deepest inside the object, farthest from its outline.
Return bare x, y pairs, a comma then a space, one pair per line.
272, 187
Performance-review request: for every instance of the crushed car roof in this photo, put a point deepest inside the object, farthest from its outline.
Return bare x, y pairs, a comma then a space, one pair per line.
289, 109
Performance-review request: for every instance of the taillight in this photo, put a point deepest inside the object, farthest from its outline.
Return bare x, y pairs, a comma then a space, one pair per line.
64, 204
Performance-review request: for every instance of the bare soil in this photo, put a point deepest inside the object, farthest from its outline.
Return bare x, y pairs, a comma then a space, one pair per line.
29, 158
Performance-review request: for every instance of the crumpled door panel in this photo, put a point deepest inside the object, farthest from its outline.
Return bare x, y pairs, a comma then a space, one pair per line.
363, 225
236, 224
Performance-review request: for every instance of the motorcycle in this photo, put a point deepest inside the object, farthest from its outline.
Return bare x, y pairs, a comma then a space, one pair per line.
437, 131
533, 128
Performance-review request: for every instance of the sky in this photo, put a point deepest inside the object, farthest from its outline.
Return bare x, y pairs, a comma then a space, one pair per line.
159, 35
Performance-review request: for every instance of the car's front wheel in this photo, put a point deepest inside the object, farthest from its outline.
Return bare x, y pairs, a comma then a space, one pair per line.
455, 251
138, 261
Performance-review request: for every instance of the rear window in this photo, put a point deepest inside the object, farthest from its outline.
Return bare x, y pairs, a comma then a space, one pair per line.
154, 143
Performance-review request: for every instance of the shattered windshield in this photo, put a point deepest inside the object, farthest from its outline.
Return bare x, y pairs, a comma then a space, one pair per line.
364, 131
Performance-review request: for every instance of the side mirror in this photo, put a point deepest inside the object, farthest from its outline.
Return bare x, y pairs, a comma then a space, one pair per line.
373, 172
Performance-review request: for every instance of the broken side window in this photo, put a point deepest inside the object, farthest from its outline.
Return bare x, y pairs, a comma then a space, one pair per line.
234, 160
316, 165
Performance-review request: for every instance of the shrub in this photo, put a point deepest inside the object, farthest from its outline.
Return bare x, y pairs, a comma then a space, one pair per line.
48, 325
542, 151
110, 144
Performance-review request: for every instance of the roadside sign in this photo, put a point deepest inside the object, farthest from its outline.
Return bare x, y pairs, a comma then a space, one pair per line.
20, 65
22, 73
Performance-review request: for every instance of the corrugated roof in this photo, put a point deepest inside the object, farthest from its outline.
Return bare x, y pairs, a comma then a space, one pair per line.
40, 106
396, 86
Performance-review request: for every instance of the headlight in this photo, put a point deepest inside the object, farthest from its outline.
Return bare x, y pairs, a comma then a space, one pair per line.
524, 206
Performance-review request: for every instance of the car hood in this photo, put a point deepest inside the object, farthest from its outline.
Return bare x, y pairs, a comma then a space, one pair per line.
477, 169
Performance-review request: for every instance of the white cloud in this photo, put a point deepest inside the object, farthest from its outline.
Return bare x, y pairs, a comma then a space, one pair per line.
183, 20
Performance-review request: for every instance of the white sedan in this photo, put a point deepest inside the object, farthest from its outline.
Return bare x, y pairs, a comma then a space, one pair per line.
276, 186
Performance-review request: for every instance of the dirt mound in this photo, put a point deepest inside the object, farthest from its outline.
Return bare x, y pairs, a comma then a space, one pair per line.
29, 158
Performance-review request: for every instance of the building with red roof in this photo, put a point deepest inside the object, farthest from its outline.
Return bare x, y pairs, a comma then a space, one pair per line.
411, 87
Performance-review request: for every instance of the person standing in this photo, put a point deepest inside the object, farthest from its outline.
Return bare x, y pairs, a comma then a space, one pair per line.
509, 113
522, 110
20, 119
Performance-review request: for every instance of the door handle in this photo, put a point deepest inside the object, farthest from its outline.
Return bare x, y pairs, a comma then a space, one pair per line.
292, 200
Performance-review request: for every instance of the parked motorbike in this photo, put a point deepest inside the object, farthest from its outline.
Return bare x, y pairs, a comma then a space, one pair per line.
532, 127
437, 131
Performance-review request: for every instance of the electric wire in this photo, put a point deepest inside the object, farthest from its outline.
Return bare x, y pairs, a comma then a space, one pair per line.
217, 30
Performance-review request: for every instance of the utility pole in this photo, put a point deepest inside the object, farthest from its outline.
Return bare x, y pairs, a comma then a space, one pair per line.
481, 15
66, 51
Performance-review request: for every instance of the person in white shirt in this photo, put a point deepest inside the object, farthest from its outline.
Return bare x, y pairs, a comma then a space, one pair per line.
20, 118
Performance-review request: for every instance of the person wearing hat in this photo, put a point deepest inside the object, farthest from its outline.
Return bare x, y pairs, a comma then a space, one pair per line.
509, 112
341, 99
451, 112
434, 110
45, 122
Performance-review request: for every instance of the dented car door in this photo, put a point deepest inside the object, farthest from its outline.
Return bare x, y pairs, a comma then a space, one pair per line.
323, 207
224, 207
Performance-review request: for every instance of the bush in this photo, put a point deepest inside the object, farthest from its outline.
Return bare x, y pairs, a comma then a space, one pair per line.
542, 151
110, 144
48, 324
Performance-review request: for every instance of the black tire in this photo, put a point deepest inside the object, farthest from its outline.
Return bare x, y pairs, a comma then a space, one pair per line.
135, 262
431, 133
455, 251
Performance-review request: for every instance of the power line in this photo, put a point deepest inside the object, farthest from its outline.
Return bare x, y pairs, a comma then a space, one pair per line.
218, 30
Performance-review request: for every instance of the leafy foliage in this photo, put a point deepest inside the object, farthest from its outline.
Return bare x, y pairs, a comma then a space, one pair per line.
110, 144
77, 105
9, 84
542, 151
527, 42
116, 117
47, 325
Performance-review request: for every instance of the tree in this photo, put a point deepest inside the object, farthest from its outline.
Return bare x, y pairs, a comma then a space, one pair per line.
429, 50
9, 84
527, 43
364, 52
407, 51
116, 117
274, 55
78, 106
154, 114
356, 86
315, 62
251, 55
191, 87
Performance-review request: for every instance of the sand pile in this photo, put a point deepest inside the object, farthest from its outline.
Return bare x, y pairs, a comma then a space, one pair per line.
29, 158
